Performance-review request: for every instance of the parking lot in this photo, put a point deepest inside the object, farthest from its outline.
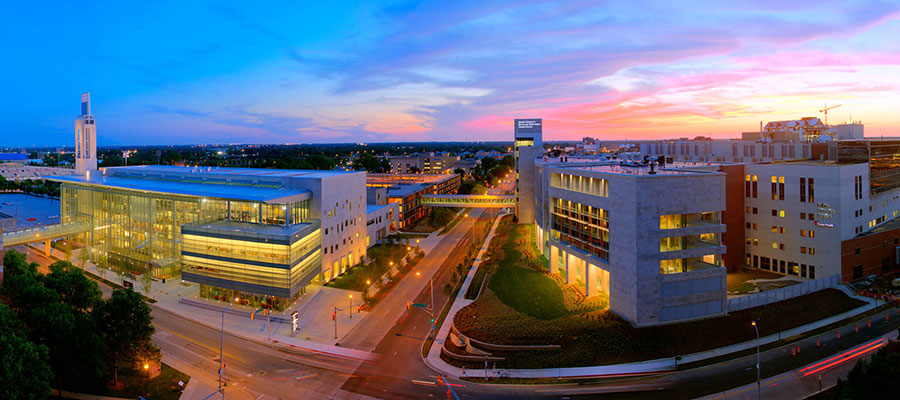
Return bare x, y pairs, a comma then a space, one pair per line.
25, 207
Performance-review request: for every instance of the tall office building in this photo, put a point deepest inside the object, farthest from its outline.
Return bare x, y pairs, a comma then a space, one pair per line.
85, 138
528, 146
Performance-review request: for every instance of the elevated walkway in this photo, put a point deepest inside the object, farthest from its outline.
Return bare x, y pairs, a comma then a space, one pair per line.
44, 233
462, 201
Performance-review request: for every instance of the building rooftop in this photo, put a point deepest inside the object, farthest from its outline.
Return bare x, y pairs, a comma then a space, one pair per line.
244, 172
215, 189
373, 208
251, 228
675, 168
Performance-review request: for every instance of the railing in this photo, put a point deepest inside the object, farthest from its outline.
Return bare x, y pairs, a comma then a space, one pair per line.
476, 201
44, 233
772, 296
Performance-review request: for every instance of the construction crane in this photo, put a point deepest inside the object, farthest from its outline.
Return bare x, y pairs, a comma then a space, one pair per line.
825, 110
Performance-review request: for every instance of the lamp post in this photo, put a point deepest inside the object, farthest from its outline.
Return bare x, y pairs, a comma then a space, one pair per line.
758, 387
222, 351
350, 309
147, 385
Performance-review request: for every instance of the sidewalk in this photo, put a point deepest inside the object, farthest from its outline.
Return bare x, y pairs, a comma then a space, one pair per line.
368, 334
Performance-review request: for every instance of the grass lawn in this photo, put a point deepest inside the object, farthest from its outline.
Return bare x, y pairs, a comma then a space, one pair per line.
421, 226
355, 278
522, 306
601, 337
410, 236
525, 290
163, 387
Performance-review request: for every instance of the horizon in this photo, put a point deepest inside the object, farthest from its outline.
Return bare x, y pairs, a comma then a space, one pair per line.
162, 75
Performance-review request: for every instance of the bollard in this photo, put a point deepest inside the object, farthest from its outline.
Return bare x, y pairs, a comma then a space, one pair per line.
857, 328
839, 334
818, 343
793, 351
798, 350
869, 323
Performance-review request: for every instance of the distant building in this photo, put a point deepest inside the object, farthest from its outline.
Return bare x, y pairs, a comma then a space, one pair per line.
426, 163
381, 220
527, 147
20, 158
406, 189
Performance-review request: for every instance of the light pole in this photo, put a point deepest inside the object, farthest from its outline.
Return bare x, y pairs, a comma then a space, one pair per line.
350, 309
222, 351
147, 386
758, 387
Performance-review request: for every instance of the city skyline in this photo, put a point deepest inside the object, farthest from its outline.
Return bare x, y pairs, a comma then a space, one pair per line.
206, 73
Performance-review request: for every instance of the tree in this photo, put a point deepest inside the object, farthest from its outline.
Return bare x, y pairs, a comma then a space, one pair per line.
414, 170
125, 324
874, 379
84, 255
24, 369
440, 217
73, 287
146, 281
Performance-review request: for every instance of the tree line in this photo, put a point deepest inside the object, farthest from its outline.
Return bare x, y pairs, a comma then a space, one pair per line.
56, 330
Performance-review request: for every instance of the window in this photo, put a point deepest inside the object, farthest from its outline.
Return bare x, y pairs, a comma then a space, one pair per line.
857, 272
755, 210
748, 210
781, 213
755, 226
781, 246
812, 272
756, 242
774, 213
802, 190
802, 250
812, 233
803, 232
812, 251
802, 215
856, 251
774, 229
775, 245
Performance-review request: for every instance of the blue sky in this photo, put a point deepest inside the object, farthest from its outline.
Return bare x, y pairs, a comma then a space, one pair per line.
275, 72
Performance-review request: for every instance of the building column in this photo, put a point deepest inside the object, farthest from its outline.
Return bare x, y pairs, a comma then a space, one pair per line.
591, 275
47, 247
554, 259
604, 281
570, 269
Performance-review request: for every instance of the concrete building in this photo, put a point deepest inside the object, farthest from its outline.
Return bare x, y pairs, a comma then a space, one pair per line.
407, 189
425, 163
649, 239
258, 233
527, 147
85, 138
381, 221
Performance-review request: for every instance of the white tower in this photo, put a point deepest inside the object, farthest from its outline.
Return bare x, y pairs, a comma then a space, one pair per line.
85, 138
528, 146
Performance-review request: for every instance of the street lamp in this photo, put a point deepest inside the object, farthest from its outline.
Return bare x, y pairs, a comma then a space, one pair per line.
758, 388
147, 386
222, 351
350, 309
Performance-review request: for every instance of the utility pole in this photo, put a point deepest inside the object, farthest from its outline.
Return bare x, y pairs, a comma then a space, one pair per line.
334, 318
758, 387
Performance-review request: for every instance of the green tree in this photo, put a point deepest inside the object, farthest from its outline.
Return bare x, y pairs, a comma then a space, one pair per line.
73, 287
874, 379
84, 255
24, 369
147, 281
440, 217
125, 324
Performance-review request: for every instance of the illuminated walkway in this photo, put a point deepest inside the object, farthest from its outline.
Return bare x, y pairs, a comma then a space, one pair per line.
44, 233
474, 201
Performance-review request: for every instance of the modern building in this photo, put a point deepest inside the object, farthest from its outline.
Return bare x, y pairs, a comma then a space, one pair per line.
85, 138
527, 147
381, 221
425, 163
407, 189
258, 232
651, 239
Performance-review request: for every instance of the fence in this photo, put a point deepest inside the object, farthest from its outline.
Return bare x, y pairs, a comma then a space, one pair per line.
772, 296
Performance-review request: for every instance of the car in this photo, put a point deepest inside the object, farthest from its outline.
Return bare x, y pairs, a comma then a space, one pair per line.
54, 217
31, 219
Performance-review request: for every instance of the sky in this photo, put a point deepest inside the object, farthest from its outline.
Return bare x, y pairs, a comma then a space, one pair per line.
189, 72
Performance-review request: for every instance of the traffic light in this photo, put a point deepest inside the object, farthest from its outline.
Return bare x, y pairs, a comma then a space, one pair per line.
333, 315
252, 316
408, 305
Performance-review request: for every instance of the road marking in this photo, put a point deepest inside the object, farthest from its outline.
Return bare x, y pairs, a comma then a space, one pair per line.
395, 353
194, 341
306, 377
426, 383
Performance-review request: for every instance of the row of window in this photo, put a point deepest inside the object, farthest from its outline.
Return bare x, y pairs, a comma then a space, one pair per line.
782, 266
807, 188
